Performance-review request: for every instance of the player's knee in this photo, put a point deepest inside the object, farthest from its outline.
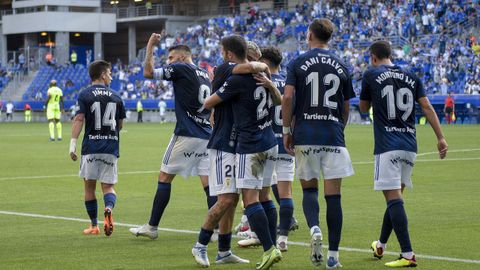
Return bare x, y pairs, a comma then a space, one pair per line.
165, 177
227, 201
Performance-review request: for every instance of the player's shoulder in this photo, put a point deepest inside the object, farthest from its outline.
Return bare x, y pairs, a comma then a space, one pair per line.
278, 77
224, 68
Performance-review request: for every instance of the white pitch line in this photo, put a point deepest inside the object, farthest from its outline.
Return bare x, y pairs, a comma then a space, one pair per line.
145, 172
349, 249
449, 151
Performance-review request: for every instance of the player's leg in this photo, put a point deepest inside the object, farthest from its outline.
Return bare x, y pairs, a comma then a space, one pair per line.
109, 198
286, 213
58, 124
51, 125
397, 211
91, 206
334, 220
211, 200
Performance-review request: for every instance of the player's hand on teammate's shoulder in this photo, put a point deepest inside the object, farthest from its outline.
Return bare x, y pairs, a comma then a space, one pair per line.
442, 148
263, 80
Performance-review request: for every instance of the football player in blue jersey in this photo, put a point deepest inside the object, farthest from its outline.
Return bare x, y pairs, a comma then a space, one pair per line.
221, 146
187, 151
285, 166
102, 111
256, 152
321, 86
392, 92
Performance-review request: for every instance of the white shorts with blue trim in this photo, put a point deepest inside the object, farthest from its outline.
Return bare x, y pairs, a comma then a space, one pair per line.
186, 156
331, 161
284, 169
392, 169
255, 171
221, 179
102, 167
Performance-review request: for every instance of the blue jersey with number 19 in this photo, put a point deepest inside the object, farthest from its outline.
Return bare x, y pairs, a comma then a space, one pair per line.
322, 84
251, 113
392, 93
191, 86
103, 109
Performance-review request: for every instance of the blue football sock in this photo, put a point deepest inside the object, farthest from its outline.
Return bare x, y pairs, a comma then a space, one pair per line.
286, 215
310, 205
162, 197
110, 199
334, 220
92, 209
272, 216
275, 193
400, 223
224, 241
386, 227
204, 236
211, 200
259, 224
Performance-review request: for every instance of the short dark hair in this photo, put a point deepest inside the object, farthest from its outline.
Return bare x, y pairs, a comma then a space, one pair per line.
180, 47
273, 55
381, 49
96, 69
235, 44
322, 29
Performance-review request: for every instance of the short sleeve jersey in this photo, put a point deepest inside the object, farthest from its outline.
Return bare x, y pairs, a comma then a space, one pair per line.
392, 92
191, 86
279, 82
103, 109
223, 135
55, 94
251, 112
322, 85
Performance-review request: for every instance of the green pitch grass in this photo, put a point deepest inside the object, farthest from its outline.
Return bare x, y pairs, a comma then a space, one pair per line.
37, 177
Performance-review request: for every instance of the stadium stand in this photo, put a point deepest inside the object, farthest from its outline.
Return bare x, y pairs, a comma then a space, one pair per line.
438, 41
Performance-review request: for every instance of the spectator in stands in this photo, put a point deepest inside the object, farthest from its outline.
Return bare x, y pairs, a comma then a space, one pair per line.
73, 57
88, 57
21, 63
162, 106
9, 110
49, 59
139, 111
449, 108
28, 113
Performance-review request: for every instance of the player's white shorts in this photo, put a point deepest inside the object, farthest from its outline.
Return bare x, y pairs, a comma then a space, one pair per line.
284, 169
392, 169
255, 171
331, 161
221, 179
101, 167
186, 156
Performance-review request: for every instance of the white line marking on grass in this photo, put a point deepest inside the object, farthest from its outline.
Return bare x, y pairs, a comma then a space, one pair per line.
157, 171
349, 249
449, 151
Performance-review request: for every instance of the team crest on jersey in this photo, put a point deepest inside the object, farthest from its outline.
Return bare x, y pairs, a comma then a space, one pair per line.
168, 72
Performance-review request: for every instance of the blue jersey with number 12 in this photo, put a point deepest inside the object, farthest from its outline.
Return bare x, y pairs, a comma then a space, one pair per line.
322, 85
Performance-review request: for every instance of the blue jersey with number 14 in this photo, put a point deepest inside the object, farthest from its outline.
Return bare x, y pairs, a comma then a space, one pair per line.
103, 109
322, 85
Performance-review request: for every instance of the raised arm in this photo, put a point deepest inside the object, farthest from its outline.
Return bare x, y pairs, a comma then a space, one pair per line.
149, 64
432, 118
